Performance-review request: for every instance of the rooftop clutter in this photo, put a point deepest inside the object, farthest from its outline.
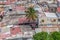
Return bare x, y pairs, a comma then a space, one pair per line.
12, 13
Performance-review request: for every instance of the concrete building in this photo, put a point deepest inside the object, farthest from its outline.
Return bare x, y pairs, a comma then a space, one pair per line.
47, 18
51, 18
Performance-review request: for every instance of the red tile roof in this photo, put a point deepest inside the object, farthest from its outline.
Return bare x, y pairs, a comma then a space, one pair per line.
21, 8
15, 30
22, 20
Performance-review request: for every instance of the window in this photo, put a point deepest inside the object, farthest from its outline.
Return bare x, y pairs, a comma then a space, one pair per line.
42, 20
53, 20
0, 30
59, 20
52, 9
10, 9
1, 17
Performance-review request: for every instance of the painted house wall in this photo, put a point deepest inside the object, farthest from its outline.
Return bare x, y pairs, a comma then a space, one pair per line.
1, 8
58, 9
49, 28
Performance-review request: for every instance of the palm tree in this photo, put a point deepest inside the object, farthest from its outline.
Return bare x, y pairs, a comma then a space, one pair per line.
31, 14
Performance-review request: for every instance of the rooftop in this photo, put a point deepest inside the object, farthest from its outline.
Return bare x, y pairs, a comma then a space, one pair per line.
52, 15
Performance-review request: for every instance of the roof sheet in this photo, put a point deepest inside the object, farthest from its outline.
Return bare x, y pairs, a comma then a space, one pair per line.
50, 14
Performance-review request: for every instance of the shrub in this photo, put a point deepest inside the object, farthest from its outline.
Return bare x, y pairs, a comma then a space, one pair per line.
40, 36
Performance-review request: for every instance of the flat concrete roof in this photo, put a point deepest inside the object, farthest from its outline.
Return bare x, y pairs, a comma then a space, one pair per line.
52, 15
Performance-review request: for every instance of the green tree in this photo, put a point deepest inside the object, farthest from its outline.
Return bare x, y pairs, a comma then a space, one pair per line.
31, 14
50, 37
46, 36
55, 35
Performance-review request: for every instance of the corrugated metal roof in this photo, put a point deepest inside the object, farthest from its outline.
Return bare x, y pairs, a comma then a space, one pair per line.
52, 15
